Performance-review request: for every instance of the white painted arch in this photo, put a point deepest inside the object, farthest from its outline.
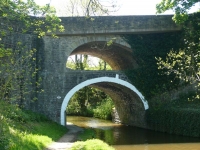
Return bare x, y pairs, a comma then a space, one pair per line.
97, 80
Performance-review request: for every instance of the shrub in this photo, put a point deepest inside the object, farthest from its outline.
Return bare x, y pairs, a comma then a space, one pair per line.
181, 121
93, 144
104, 110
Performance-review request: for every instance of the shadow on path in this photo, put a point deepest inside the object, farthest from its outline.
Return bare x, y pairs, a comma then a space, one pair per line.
66, 141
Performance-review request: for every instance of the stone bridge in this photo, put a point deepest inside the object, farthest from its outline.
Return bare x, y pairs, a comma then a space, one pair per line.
89, 36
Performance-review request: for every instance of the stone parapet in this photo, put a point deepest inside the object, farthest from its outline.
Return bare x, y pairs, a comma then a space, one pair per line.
118, 25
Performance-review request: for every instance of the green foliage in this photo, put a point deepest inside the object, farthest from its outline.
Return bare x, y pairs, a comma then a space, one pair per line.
185, 62
176, 117
87, 63
73, 107
181, 120
181, 8
14, 113
18, 57
25, 130
90, 102
146, 77
16, 73
104, 110
103, 66
82, 101
20, 12
94, 144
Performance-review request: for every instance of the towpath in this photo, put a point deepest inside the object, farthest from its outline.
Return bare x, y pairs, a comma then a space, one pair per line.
66, 141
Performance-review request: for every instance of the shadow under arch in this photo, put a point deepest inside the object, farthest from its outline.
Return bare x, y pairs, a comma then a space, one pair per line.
97, 80
118, 56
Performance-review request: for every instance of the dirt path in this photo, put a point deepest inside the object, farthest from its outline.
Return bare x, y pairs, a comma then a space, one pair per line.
66, 141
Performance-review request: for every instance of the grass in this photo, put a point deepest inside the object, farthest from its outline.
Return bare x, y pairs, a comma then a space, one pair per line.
37, 137
22, 130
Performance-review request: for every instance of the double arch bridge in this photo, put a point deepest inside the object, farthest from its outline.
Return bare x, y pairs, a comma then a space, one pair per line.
83, 36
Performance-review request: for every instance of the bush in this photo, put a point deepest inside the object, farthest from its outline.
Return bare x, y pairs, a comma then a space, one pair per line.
13, 112
93, 144
181, 121
145, 48
104, 110
73, 108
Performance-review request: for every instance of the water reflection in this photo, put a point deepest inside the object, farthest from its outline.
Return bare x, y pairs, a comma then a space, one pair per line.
177, 146
128, 137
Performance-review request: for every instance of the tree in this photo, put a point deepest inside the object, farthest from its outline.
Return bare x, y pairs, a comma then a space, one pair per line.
185, 62
180, 7
22, 20
86, 7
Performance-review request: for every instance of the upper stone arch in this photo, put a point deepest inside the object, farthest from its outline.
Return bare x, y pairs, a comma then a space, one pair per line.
119, 55
77, 41
98, 80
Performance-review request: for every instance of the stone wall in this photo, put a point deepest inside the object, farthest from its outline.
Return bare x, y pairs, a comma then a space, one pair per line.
118, 25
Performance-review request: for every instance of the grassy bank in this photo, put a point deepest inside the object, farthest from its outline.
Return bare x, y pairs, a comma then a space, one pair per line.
24, 130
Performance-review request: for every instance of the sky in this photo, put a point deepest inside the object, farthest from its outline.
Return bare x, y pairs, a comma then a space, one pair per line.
126, 7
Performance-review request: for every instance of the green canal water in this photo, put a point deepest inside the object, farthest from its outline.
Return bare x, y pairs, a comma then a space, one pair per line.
123, 137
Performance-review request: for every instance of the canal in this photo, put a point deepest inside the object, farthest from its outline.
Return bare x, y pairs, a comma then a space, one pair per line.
123, 137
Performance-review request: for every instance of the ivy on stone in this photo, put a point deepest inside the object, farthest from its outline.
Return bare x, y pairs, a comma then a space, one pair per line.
21, 24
